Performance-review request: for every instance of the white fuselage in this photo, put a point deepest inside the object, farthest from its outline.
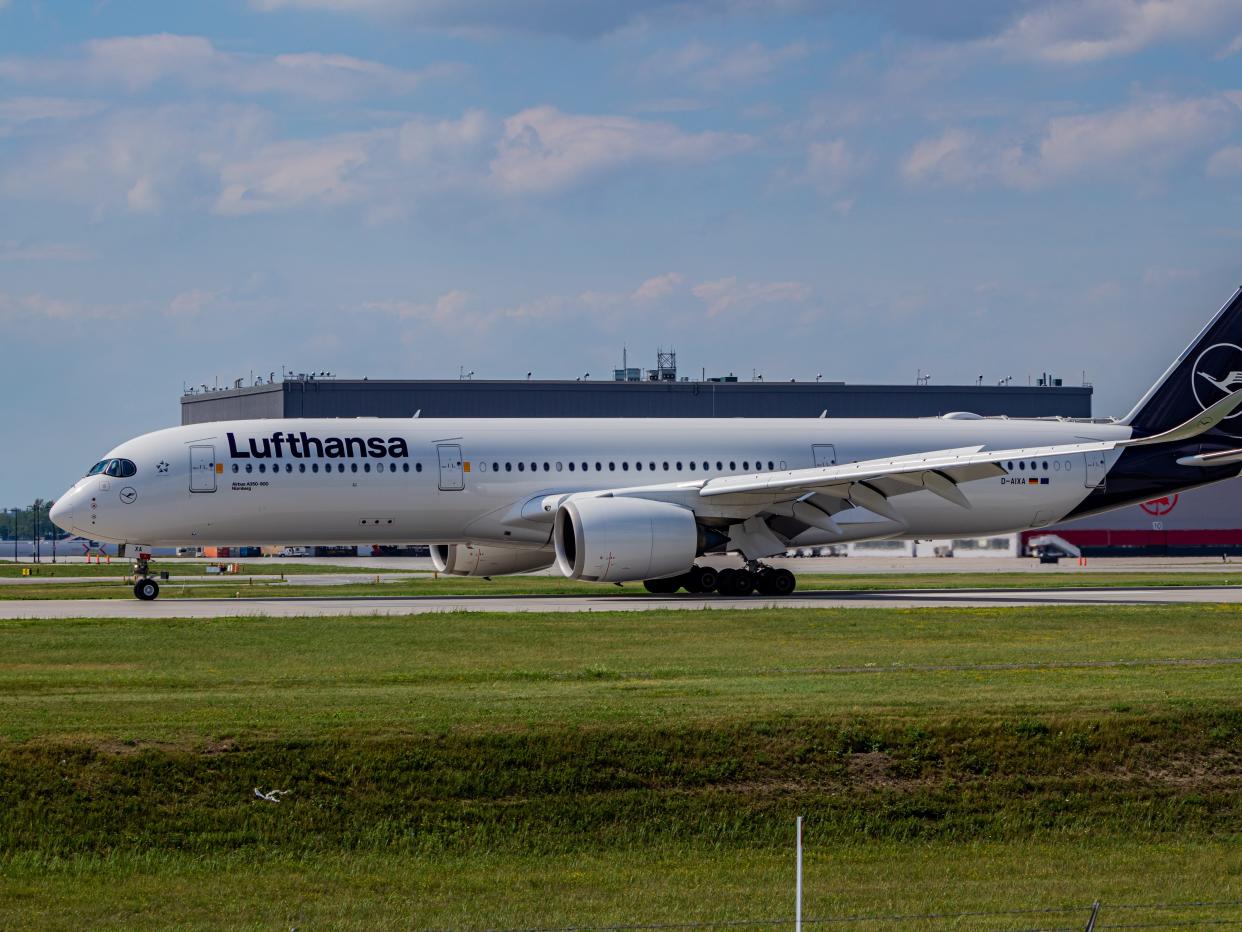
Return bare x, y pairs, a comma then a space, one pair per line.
470, 480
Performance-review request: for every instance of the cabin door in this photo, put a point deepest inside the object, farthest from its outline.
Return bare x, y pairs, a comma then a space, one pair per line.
202, 468
452, 475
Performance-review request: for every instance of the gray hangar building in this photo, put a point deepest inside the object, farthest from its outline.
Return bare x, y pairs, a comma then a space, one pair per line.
654, 397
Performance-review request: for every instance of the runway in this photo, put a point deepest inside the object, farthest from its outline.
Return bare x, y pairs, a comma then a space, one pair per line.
401, 605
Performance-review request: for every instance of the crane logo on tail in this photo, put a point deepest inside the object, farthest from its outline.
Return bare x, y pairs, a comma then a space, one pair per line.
1226, 384
1217, 373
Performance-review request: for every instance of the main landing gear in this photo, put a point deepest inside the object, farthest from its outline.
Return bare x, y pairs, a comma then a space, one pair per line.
145, 587
751, 578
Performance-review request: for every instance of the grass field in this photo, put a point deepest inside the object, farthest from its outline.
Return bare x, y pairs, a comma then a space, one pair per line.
501, 771
422, 585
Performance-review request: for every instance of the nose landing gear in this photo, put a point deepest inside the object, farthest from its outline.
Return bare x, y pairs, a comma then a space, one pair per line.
145, 587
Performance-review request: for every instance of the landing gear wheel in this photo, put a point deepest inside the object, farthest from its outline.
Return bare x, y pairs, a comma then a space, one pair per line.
700, 579
776, 582
740, 583
146, 589
665, 586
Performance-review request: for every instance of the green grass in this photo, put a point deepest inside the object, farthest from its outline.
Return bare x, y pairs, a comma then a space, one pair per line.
231, 586
123, 567
475, 770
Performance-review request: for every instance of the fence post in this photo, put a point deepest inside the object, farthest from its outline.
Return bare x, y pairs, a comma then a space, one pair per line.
798, 885
1095, 912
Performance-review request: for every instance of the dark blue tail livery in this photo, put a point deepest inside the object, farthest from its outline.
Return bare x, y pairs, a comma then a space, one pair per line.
1209, 369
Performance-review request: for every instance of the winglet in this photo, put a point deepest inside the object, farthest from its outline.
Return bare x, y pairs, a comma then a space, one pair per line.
1201, 423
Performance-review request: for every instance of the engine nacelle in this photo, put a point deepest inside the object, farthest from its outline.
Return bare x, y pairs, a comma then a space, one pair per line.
472, 560
623, 539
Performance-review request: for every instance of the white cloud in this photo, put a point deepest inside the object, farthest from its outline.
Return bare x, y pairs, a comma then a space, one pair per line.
1141, 137
1075, 31
658, 287
40, 307
40, 109
948, 157
137, 63
297, 173
231, 160
544, 150
729, 294
1226, 162
139, 159
710, 68
448, 310
830, 165
190, 303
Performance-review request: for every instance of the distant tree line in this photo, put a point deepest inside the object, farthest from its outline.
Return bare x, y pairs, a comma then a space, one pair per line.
24, 522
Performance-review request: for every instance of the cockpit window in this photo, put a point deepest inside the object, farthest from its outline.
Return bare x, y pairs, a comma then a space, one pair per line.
117, 468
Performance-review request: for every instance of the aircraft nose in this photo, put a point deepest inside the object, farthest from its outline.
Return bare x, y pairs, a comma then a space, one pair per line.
62, 512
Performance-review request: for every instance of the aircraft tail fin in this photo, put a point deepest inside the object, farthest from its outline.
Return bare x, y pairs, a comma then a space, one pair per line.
1207, 371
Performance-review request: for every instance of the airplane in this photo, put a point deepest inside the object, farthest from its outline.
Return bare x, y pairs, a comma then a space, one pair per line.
617, 500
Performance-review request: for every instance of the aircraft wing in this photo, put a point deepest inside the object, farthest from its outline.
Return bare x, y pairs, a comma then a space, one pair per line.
869, 483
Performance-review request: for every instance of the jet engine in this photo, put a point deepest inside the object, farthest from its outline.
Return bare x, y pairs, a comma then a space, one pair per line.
471, 560
621, 539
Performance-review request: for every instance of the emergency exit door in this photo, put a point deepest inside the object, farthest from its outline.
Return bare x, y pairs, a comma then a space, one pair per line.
825, 454
1096, 470
202, 468
452, 475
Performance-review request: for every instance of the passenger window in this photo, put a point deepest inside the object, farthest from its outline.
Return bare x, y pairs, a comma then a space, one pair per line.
405, 467
719, 466
340, 467
366, 467
599, 467
652, 465
1045, 465
249, 468
771, 465
584, 467
314, 467
521, 467
666, 465
745, 464
692, 466
1021, 465
301, 467
732, 465
679, 465
625, 467
612, 467
571, 465
288, 468
418, 467
236, 468
638, 466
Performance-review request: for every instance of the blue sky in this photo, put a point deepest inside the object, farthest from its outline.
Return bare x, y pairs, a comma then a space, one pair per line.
195, 191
